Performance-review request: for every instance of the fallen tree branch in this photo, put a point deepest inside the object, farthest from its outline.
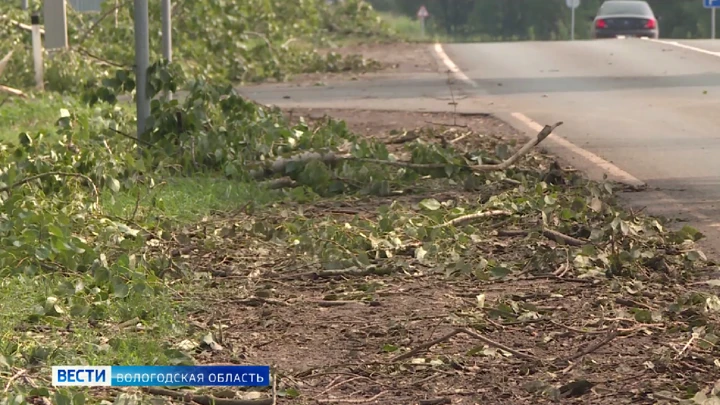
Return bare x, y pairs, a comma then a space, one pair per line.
350, 400
500, 346
426, 345
281, 165
435, 401
409, 137
350, 271
283, 182
205, 399
548, 233
13, 91
21, 25
13, 378
609, 338
4, 61
544, 133
468, 332
61, 174
470, 217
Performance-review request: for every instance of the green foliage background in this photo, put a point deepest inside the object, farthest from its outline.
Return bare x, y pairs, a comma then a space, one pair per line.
225, 41
539, 19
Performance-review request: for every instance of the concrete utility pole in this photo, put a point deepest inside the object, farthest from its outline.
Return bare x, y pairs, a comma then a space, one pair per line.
712, 23
142, 62
24, 4
37, 50
167, 35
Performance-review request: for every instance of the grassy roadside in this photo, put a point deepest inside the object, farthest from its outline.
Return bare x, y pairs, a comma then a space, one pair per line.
129, 282
215, 240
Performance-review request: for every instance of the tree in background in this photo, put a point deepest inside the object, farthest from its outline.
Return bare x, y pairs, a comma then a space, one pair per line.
539, 19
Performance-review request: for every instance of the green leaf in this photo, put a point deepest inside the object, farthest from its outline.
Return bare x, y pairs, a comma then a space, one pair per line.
120, 288
289, 393
500, 272
696, 255
114, 184
430, 204
388, 348
643, 315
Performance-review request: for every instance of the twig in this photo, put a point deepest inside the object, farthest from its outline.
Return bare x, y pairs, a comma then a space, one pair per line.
259, 301
334, 385
689, 342
283, 182
130, 137
548, 233
447, 125
4, 61
435, 401
62, 174
610, 337
426, 345
500, 346
274, 388
355, 271
470, 217
632, 303
21, 25
13, 378
409, 137
205, 399
118, 5
469, 332
99, 59
351, 401
463, 136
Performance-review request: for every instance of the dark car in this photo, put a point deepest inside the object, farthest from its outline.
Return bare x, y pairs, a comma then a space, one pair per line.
625, 18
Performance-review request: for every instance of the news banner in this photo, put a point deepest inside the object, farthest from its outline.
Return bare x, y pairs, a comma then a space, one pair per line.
161, 376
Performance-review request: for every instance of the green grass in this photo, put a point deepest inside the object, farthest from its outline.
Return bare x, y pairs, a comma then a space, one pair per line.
114, 340
188, 199
32, 115
40, 114
107, 342
34, 331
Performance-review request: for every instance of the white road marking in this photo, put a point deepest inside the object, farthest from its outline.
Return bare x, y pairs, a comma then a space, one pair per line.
679, 45
452, 66
594, 159
607, 167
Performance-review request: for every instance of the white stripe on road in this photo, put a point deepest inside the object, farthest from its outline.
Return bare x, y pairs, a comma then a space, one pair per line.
600, 163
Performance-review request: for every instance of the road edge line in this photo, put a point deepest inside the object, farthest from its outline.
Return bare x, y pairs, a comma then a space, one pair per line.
610, 169
595, 160
440, 52
683, 46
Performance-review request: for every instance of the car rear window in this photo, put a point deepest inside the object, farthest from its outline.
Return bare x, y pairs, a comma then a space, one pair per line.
625, 7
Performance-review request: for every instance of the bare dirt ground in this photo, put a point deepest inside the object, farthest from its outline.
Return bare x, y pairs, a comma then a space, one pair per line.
416, 336
394, 59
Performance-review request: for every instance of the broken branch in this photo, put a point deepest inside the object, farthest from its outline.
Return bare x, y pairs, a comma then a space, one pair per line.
468, 332
548, 233
610, 337
205, 399
470, 217
13, 91
61, 174
280, 165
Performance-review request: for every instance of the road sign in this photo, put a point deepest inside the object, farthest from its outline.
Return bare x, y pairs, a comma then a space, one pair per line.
423, 13
711, 3
573, 4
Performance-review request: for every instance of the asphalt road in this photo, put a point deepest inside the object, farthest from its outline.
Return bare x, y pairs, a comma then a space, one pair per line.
652, 109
